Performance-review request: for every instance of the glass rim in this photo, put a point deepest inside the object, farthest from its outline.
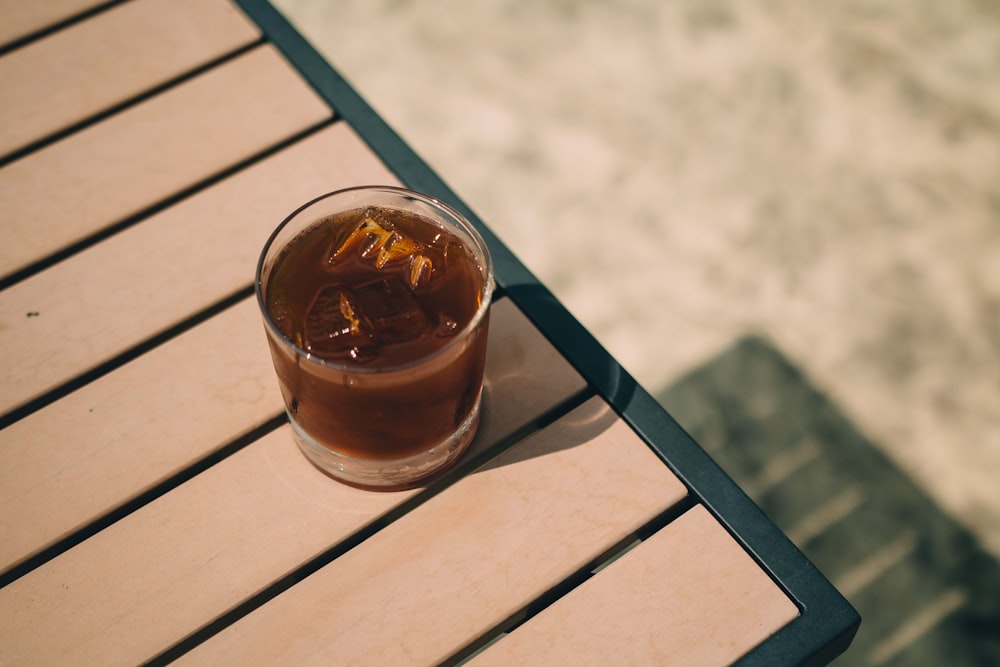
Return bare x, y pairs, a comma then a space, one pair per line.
489, 283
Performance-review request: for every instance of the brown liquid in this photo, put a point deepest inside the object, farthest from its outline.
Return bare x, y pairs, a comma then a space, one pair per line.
379, 291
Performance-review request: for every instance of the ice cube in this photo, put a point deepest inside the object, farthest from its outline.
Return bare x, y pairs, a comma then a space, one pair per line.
335, 325
377, 241
283, 315
421, 268
369, 235
393, 312
397, 247
453, 253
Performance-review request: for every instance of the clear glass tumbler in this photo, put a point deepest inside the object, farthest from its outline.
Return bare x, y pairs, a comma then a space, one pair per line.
376, 306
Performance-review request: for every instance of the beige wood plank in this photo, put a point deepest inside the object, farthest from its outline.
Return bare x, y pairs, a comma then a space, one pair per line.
468, 559
93, 65
161, 572
138, 282
120, 166
19, 18
689, 595
79, 458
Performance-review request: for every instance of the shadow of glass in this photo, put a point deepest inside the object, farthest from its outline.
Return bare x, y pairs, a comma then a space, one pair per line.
583, 424
575, 342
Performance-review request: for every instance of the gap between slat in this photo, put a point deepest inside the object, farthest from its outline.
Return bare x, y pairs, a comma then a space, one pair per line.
54, 137
110, 230
589, 570
130, 506
61, 24
118, 55
123, 357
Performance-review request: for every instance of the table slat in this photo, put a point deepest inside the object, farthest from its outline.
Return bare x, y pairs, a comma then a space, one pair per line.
20, 18
126, 51
152, 275
689, 595
123, 165
440, 577
180, 561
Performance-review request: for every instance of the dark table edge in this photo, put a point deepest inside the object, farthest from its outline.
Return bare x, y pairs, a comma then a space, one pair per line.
827, 623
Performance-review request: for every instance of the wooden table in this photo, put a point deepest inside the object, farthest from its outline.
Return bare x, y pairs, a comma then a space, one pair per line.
153, 506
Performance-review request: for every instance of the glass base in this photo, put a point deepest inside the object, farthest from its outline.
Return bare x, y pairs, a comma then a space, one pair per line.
390, 475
